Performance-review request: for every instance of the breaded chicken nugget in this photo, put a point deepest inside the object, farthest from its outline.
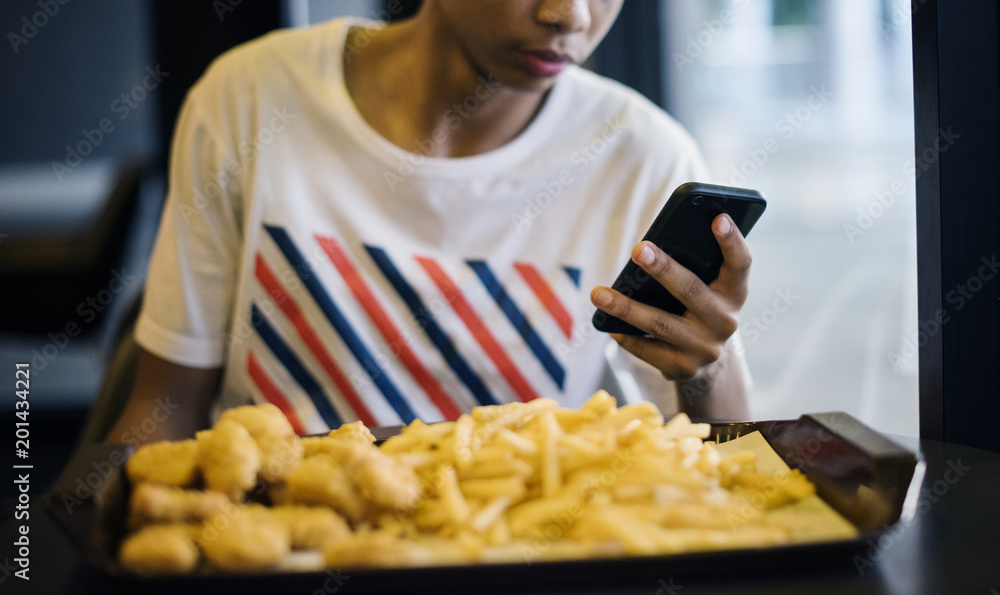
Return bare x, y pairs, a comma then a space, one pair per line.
168, 463
160, 549
380, 477
356, 431
321, 481
245, 538
154, 503
280, 446
344, 451
229, 458
385, 481
311, 527
349, 453
375, 550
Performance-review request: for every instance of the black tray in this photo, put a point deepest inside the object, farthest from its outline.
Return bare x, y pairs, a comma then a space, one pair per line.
871, 481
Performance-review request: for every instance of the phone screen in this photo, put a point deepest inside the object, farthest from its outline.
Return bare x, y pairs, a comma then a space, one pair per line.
683, 229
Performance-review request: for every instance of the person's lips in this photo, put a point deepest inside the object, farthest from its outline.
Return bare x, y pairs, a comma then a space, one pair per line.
546, 63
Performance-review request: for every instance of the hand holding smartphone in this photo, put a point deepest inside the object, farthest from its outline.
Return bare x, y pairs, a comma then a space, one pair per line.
683, 229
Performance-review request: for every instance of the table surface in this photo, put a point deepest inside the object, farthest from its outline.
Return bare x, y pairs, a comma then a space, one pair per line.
952, 545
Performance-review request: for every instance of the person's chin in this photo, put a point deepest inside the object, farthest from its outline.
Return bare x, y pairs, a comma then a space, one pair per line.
520, 80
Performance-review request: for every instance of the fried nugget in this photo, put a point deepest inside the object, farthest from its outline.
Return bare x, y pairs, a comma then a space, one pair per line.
356, 431
154, 503
385, 481
321, 481
229, 458
168, 463
380, 477
345, 451
245, 538
311, 527
160, 549
280, 447
375, 550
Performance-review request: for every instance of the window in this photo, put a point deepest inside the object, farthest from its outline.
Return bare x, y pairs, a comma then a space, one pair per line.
811, 103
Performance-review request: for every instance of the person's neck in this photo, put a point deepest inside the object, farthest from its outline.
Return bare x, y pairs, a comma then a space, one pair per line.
417, 89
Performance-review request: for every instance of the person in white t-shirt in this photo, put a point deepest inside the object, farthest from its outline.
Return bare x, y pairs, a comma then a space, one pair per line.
395, 222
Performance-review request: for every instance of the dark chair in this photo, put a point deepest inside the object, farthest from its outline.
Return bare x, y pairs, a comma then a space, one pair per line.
118, 379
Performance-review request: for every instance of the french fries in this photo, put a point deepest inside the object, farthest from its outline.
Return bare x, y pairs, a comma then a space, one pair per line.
514, 482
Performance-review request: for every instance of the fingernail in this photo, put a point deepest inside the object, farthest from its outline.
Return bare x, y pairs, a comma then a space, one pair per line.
646, 255
601, 297
725, 226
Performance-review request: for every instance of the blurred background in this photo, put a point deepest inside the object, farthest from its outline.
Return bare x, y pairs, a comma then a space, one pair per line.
808, 101
811, 102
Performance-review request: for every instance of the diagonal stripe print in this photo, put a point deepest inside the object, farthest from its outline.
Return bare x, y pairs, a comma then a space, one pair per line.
340, 323
274, 289
272, 393
288, 359
434, 332
546, 296
519, 321
522, 388
389, 331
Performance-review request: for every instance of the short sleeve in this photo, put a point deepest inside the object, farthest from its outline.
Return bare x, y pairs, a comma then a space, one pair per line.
193, 270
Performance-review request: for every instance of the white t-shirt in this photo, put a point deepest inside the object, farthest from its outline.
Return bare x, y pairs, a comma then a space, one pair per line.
342, 277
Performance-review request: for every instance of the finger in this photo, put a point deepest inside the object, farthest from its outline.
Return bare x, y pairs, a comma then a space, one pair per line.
675, 364
700, 299
733, 281
657, 323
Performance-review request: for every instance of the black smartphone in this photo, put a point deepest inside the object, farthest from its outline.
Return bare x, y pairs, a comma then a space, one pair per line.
683, 229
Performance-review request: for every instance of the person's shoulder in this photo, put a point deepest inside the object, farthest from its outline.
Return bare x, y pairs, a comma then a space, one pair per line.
279, 53
632, 113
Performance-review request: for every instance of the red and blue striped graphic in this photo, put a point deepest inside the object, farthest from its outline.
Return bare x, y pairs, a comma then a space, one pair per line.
387, 329
522, 388
273, 394
432, 329
335, 317
293, 364
294, 314
362, 298
520, 321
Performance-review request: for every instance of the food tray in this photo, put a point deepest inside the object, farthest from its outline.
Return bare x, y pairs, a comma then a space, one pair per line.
869, 480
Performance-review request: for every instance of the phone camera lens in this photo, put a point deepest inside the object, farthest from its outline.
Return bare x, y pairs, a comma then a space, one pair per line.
696, 200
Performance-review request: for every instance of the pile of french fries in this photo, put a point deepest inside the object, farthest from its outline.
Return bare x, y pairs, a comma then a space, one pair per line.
518, 482
529, 481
